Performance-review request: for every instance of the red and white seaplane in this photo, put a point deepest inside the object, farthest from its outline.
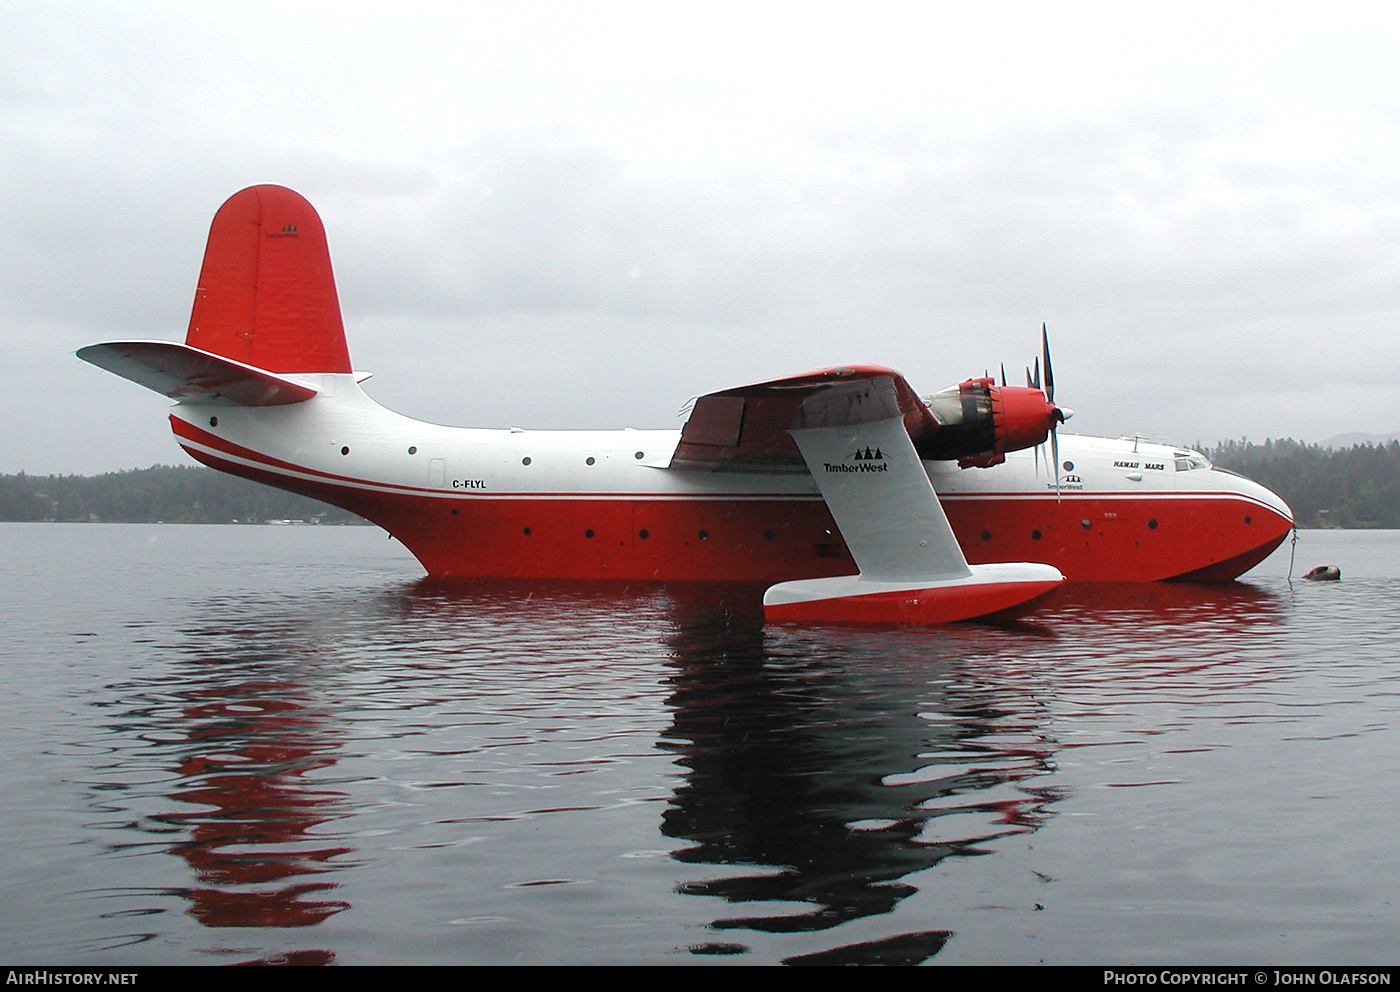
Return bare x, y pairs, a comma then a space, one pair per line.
858, 499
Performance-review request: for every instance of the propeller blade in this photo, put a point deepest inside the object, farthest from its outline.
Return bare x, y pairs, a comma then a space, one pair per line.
1049, 375
1003, 373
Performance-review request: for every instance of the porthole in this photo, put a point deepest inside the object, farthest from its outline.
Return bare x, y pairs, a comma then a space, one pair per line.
454, 513
704, 535
590, 460
413, 449
213, 421
1069, 466
1249, 520
644, 534
986, 535
1086, 524
526, 532
588, 533
1035, 535
640, 455
768, 535
525, 460
1152, 524
345, 450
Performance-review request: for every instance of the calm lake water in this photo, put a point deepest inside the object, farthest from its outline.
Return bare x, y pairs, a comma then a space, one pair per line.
232, 744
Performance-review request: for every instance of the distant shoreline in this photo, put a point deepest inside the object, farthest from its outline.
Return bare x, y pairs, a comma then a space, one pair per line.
159, 494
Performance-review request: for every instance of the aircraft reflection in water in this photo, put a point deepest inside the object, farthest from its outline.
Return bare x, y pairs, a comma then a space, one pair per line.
248, 807
831, 766
817, 766
824, 770
255, 846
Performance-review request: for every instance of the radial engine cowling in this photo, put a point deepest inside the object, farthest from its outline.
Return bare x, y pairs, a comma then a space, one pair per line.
979, 422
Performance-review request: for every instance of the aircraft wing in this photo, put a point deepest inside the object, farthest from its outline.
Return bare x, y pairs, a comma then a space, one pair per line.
853, 429
185, 373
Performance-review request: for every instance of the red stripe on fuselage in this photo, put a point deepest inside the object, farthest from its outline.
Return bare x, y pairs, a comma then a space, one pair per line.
189, 431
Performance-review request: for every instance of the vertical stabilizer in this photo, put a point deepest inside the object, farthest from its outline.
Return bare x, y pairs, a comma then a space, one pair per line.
266, 293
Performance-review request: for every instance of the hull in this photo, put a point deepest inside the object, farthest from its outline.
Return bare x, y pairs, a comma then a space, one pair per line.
1201, 534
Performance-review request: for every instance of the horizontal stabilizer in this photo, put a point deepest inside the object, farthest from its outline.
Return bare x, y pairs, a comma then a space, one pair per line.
187, 374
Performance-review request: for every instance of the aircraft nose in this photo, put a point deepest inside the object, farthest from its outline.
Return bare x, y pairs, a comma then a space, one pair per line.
1254, 491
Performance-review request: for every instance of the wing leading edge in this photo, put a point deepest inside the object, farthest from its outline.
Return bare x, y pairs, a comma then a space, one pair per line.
853, 429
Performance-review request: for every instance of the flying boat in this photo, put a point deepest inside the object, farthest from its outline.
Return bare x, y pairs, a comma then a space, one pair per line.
845, 492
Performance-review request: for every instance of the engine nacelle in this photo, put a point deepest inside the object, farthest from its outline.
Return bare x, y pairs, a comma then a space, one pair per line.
979, 422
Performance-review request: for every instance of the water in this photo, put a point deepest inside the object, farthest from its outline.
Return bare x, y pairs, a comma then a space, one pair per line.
230, 744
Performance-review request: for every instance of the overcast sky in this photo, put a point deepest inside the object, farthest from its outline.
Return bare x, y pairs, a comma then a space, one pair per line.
584, 214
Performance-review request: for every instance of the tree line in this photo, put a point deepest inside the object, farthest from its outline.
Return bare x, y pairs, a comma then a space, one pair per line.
160, 494
1344, 487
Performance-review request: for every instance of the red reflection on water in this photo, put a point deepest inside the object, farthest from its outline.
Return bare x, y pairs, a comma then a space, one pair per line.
295, 959
1230, 606
255, 744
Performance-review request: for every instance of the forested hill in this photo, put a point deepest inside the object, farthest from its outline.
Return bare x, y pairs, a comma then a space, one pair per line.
1346, 487
163, 493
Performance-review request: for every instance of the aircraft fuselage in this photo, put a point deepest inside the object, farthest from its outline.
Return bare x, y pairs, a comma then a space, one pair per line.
604, 504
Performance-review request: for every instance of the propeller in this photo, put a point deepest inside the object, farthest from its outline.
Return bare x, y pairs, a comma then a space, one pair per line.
1060, 415
979, 421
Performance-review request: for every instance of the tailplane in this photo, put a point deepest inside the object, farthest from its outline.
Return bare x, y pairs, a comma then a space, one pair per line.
265, 308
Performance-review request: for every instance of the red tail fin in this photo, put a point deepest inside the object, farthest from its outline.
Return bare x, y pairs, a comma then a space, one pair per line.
266, 293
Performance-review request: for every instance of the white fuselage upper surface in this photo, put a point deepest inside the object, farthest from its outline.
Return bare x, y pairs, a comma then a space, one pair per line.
345, 434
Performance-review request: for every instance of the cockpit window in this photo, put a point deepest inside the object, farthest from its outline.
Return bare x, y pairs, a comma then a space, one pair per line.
1187, 461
